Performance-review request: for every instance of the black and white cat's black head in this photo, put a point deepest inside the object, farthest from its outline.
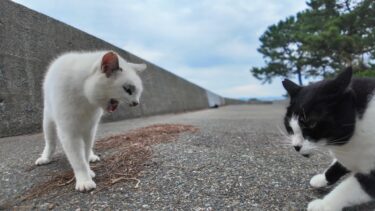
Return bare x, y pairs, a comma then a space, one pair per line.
324, 113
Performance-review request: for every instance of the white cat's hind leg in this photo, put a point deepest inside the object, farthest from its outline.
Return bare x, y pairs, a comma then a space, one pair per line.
50, 138
92, 173
89, 138
93, 158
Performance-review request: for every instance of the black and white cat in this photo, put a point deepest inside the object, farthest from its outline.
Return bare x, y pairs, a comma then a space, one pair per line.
337, 115
77, 88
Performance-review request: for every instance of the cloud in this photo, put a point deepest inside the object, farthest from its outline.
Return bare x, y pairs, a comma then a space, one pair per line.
237, 49
209, 42
148, 54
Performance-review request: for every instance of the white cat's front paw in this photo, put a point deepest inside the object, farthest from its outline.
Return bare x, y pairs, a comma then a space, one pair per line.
321, 205
85, 185
94, 158
42, 161
318, 181
92, 173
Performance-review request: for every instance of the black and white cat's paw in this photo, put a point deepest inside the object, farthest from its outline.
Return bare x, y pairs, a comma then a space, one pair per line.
321, 205
93, 158
42, 161
85, 185
319, 181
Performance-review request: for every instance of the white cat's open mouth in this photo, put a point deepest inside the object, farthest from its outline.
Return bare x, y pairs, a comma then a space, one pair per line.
112, 105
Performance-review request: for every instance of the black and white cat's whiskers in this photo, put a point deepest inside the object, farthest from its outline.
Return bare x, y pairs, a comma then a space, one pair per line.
287, 141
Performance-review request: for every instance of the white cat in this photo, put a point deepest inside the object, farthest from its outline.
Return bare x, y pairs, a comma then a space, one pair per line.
78, 86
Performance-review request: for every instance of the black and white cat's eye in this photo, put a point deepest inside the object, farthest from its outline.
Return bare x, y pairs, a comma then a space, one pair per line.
129, 89
312, 125
308, 124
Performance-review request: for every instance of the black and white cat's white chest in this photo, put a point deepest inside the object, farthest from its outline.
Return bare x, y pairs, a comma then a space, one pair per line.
358, 154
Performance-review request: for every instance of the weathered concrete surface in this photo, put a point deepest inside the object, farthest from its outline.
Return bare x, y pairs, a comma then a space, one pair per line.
29, 41
237, 161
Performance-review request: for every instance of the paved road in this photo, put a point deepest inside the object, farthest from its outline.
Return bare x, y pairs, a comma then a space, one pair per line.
236, 161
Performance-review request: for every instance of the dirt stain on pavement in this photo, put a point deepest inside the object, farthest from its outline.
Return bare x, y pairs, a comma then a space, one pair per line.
124, 157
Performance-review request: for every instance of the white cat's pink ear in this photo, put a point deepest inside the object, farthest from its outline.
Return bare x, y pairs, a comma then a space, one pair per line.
110, 63
138, 67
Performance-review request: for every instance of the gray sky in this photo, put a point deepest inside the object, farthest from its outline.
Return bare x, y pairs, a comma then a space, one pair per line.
209, 42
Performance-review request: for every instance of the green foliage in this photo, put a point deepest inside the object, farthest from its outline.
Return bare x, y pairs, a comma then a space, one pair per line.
320, 40
366, 73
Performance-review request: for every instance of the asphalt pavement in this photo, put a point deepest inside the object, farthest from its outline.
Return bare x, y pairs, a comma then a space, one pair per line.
237, 160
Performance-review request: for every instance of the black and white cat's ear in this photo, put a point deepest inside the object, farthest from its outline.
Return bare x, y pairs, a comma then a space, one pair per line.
342, 81
291, 87
138, 67
110, 63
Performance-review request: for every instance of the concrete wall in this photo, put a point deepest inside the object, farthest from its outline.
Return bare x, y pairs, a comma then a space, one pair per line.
30, 40
214, 99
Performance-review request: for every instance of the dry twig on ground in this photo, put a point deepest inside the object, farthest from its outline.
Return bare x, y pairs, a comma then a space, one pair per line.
129, 153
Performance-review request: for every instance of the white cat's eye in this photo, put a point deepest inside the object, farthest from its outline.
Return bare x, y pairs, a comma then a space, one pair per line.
127, 90
130, 89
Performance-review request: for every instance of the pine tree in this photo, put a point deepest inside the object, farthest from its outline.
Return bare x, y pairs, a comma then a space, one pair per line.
320, 40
